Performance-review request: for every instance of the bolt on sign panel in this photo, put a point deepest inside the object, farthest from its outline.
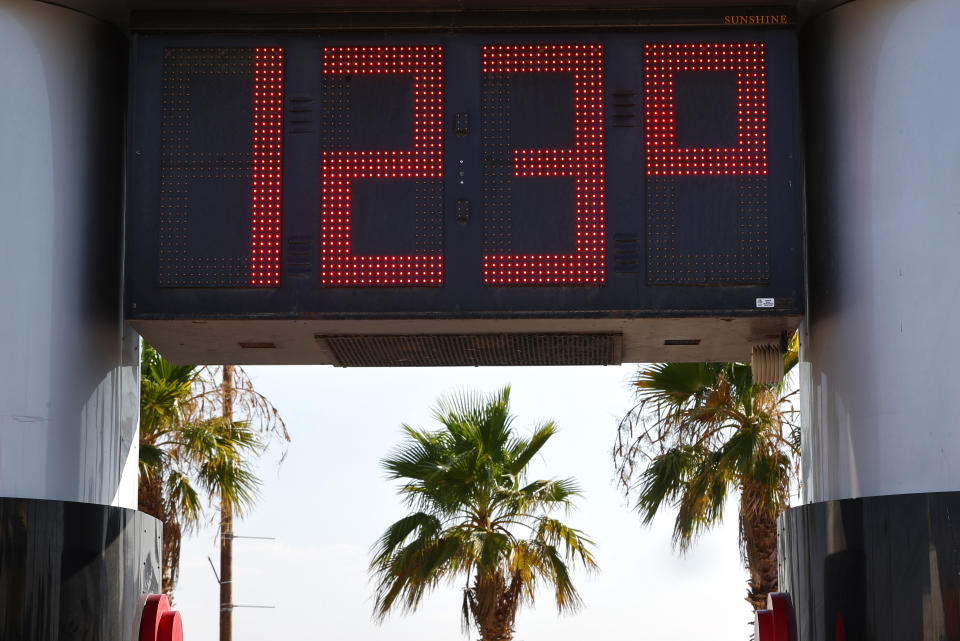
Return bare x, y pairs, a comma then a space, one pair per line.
286, 189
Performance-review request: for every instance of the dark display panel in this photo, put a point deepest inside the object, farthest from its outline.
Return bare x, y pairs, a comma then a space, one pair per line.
501, 175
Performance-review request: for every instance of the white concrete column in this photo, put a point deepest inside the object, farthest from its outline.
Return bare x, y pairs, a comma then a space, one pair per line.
68, 369
880, 375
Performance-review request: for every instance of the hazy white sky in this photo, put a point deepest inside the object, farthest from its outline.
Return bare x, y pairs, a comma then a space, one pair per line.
328, 502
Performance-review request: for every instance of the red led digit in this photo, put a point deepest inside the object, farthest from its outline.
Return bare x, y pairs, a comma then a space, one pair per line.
664, 157
583, 162
266, 188
339, 265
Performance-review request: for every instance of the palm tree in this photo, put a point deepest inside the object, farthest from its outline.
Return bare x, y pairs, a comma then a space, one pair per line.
700, 431
188, 452
476, 517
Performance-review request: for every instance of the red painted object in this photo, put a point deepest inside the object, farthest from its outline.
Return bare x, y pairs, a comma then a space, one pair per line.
774, 624
171, 627
779, 604
763, 625
159, 622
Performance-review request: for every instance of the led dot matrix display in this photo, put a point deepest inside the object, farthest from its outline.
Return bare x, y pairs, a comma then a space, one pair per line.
464, 175
244, 162
340, 265
669, 164
664, 157
267, 167
583, 162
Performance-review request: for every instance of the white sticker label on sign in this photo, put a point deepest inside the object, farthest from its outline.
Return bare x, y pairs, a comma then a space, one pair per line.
764, 302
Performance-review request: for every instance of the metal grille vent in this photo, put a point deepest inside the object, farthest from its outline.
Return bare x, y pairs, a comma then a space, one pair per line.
447, 350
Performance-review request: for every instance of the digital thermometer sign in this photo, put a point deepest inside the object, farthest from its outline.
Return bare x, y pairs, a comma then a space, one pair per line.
365, 199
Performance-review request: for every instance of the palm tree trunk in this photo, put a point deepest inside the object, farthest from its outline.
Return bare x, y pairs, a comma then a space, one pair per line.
493, 604
759, 532
226, 529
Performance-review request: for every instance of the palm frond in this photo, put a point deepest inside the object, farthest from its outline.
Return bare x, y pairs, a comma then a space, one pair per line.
523, 450
664, 479
555, 571
152, 459
395, 536
701, 500
574, 542
412, 571
182, 498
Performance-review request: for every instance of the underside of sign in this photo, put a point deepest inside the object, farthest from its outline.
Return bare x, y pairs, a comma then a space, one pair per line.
464, 198
412, 343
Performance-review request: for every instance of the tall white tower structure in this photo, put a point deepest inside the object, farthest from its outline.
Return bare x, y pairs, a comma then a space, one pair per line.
75, 555
872, 553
